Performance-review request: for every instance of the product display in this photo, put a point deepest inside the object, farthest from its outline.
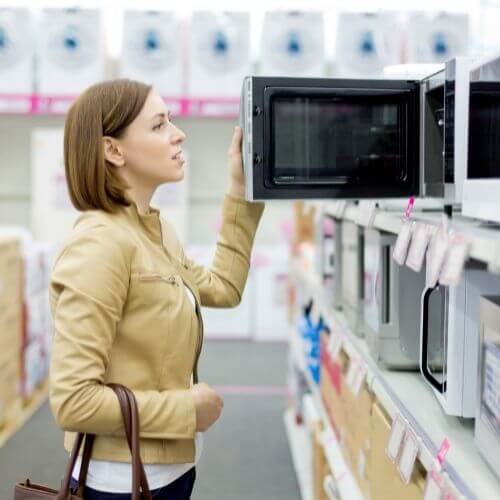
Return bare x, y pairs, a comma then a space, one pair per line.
436, 37
16, 51
152, 51
70, 54
219, 53
292, 44
366, 43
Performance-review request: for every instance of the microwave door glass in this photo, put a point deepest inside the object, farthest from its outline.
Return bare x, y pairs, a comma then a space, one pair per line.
336, 140
484, 130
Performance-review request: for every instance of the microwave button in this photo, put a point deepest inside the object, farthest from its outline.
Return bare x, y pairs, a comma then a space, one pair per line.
257, 159
257, 110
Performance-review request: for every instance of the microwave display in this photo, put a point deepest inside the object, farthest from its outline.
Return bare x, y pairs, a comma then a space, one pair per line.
484, 130
334, 140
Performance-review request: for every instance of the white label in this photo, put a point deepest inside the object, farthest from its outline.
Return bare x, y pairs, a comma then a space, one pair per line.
456, 256
419, 243
341, 206
351, 373
358, 379
437, 255
366, 213
433, 489
408, 456
398, 430
334, 345
403, 242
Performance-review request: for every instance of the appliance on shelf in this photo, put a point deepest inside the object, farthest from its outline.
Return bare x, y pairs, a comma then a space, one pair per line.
392, 304
456, 330
292, 44
487, 431
437, 37
219, 53
70, 51
444, 130
152, 51
16, 51
481, 198
353, 275
366, 43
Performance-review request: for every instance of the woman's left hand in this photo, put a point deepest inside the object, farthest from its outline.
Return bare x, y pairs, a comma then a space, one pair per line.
236, 185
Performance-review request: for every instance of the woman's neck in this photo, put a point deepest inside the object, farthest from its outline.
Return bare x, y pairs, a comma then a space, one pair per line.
141, 197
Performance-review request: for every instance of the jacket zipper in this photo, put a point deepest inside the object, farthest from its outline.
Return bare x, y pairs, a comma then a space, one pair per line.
199, 340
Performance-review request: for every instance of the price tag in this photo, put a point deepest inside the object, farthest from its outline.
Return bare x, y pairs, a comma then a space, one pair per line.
403, 242
433, 486
419, 243
341, 206
366, 213
358, 379
408, 456
396, 437
458, 252
334, 345
437, 255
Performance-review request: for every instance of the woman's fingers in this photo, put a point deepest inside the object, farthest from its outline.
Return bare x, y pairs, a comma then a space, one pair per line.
235, 147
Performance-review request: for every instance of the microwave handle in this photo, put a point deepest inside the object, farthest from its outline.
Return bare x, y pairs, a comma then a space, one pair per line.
424, 351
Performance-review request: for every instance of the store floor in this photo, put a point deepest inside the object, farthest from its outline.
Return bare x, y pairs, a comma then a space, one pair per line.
246, 454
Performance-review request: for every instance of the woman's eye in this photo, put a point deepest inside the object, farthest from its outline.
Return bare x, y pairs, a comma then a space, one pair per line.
158, 126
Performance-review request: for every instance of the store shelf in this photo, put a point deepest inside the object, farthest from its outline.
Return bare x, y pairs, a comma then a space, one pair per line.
35, 104
25, 413
346, 484
406, 394
484, 239
298, 439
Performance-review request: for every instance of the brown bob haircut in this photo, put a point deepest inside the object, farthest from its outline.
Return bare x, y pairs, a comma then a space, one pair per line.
105, 109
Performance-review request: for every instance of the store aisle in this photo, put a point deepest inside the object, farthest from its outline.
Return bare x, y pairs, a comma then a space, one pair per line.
246, 454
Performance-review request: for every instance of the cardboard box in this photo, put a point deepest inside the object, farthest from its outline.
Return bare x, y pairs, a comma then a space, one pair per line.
10, 336
9, 389
10, 274
34, 368
385, 482
320, 464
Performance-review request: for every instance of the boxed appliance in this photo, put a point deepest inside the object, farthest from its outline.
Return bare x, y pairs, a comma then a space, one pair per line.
52, 215
16, 51
452, 336
292, 44
153, 52
353, 276
33, 369
366, 43
482, 185
70, 54
10, 275
320, 466
436, 37
219, 53
488, 410
385, 480
10, 402
392, 304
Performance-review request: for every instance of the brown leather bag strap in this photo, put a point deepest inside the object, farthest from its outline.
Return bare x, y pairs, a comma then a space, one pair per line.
64, 492
130, 413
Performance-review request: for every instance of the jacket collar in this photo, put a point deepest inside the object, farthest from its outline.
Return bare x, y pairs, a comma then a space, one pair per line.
149, 223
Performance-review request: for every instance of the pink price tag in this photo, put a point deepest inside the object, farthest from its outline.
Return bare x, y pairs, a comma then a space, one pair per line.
437, 255
433, 486
443, 450
409, 208
400, 251
456, 257
418, 247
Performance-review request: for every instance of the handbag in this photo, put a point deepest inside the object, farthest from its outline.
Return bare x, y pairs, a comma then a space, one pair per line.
140, 486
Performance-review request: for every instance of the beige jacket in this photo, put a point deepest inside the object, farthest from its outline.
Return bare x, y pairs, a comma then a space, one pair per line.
122, 315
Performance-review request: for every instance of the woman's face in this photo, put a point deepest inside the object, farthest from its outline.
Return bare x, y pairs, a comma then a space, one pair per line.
152, 146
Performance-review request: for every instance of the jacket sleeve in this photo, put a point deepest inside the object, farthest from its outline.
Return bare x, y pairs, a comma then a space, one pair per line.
88, 289
223, 283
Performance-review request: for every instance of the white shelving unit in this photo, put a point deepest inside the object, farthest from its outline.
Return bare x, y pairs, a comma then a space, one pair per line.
407, 395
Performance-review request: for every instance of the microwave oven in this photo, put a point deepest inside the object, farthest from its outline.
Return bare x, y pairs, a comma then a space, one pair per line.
455, 330
482, 185
392, 304
353, 276
444, 123
313, 138
487, 431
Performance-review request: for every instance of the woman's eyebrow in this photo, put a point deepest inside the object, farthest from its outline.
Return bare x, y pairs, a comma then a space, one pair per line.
159, 115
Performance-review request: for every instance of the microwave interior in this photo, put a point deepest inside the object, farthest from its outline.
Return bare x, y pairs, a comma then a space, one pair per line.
348, 139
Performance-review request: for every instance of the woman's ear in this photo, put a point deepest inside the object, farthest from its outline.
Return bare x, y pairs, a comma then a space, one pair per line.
113, 151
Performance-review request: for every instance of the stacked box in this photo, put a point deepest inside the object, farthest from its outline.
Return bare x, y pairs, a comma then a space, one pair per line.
10, 325
320, 464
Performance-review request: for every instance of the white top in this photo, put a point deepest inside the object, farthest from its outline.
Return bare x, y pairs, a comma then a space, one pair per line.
116, 477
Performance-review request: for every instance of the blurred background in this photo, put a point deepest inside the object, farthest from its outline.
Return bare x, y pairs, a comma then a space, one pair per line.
196, 54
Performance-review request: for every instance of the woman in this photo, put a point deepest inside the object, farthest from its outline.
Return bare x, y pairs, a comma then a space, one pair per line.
126, 299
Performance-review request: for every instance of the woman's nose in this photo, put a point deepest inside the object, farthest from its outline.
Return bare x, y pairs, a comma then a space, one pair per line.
177, 135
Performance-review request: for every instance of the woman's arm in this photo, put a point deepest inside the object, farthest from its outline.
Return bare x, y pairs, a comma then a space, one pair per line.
89, 287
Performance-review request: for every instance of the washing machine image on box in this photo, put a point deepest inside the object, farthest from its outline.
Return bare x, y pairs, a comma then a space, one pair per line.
366, 43
292, 44
16, 51
152, 50
219, 53
437, 38
70, 51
